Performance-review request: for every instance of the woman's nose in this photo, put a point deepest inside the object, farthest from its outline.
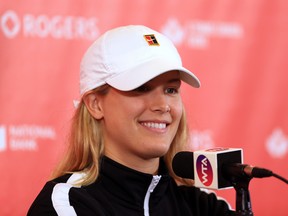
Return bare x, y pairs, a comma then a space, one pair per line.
160, 103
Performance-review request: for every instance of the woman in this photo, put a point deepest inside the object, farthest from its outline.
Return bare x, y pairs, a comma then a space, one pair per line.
127, 127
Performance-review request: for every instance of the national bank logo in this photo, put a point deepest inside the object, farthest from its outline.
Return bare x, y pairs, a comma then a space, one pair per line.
204, 170
24, 137
2, 138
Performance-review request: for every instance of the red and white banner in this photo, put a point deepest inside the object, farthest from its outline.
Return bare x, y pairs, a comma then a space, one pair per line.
238, 49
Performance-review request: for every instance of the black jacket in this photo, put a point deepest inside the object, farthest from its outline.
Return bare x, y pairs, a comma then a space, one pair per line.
121, 191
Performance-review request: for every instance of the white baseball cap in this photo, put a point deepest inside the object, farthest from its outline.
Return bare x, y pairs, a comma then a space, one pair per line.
129, 56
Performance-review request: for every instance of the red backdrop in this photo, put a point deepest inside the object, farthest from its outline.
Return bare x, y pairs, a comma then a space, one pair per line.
238, 49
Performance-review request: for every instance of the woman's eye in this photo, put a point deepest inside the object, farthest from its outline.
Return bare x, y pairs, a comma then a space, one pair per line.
171, 90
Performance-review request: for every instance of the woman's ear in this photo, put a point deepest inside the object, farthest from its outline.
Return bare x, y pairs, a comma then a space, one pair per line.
92, 103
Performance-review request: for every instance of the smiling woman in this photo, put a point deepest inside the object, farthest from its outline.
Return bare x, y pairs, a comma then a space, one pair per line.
140, 129
129, 124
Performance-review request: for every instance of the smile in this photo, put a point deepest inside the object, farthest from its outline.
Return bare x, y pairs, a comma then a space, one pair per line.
154, 125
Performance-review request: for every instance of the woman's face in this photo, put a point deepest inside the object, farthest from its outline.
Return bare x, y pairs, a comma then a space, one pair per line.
141, 124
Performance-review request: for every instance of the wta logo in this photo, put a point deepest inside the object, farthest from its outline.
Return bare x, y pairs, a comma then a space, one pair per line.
204, 170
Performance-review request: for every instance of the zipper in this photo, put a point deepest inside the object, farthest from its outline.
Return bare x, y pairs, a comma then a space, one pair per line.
154, 182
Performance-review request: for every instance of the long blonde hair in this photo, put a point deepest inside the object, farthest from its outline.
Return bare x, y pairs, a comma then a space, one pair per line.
85, 145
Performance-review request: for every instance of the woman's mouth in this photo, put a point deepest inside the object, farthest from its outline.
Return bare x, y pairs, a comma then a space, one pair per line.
154, 125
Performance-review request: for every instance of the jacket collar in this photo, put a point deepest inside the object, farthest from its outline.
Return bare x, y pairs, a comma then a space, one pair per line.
131, 185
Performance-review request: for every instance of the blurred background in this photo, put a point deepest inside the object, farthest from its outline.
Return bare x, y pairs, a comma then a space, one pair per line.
238, 49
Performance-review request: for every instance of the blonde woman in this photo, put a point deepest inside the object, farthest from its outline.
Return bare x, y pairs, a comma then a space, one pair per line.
127, 127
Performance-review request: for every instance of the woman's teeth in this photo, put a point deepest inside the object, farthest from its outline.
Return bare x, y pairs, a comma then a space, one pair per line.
154, 125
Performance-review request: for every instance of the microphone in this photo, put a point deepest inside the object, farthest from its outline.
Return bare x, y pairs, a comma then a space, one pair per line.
215, 168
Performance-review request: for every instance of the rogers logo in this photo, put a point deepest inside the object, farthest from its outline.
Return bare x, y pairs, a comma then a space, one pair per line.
10, 24
56, 26
204, 170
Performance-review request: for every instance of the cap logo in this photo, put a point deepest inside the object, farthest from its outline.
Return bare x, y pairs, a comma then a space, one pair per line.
151, 40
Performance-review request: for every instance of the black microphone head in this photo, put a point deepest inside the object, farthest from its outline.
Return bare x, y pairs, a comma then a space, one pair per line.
183, 164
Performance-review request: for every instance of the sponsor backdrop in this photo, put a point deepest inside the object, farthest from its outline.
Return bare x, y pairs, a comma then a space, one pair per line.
237, 48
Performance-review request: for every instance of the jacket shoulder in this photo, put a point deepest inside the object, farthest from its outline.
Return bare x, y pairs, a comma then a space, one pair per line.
43, 204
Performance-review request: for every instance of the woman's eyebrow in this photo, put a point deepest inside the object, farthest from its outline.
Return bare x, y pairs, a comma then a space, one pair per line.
174, 80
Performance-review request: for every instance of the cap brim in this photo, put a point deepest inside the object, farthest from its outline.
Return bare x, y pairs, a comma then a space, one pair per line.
137, 76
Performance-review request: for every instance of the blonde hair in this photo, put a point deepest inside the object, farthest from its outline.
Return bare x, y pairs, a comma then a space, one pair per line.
85, 145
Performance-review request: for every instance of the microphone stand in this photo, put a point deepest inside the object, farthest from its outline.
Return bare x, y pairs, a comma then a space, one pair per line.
243, 201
